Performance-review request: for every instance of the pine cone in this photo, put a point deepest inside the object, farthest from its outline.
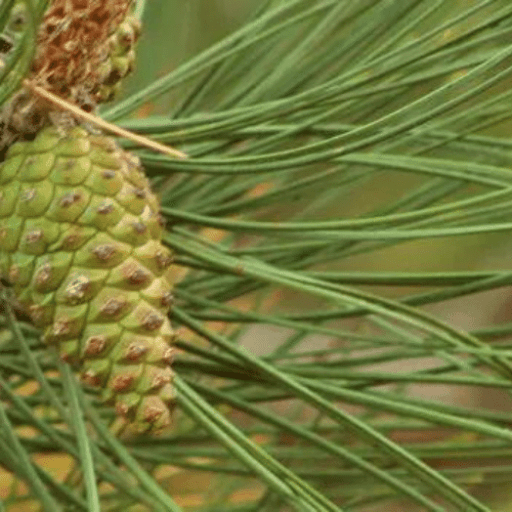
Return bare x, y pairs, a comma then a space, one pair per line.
80, 243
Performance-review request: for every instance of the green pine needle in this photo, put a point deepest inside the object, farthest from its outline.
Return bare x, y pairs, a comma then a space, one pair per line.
349, 175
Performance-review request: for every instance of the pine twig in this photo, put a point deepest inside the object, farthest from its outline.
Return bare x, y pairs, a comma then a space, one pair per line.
100, 123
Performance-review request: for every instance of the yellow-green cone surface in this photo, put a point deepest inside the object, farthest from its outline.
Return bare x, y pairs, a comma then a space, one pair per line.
80, 243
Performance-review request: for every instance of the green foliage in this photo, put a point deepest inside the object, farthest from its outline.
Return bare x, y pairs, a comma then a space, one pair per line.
319, 132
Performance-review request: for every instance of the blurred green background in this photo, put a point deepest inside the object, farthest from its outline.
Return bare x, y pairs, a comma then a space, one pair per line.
190, 25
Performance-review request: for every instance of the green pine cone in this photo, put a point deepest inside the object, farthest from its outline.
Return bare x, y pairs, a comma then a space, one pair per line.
80, 243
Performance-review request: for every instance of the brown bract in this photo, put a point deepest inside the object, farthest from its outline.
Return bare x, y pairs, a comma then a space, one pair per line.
74, 41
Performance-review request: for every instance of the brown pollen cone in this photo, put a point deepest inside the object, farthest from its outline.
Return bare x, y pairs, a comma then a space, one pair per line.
73, 41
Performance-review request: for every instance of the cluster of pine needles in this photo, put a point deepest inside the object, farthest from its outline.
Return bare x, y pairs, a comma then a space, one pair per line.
318, 135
